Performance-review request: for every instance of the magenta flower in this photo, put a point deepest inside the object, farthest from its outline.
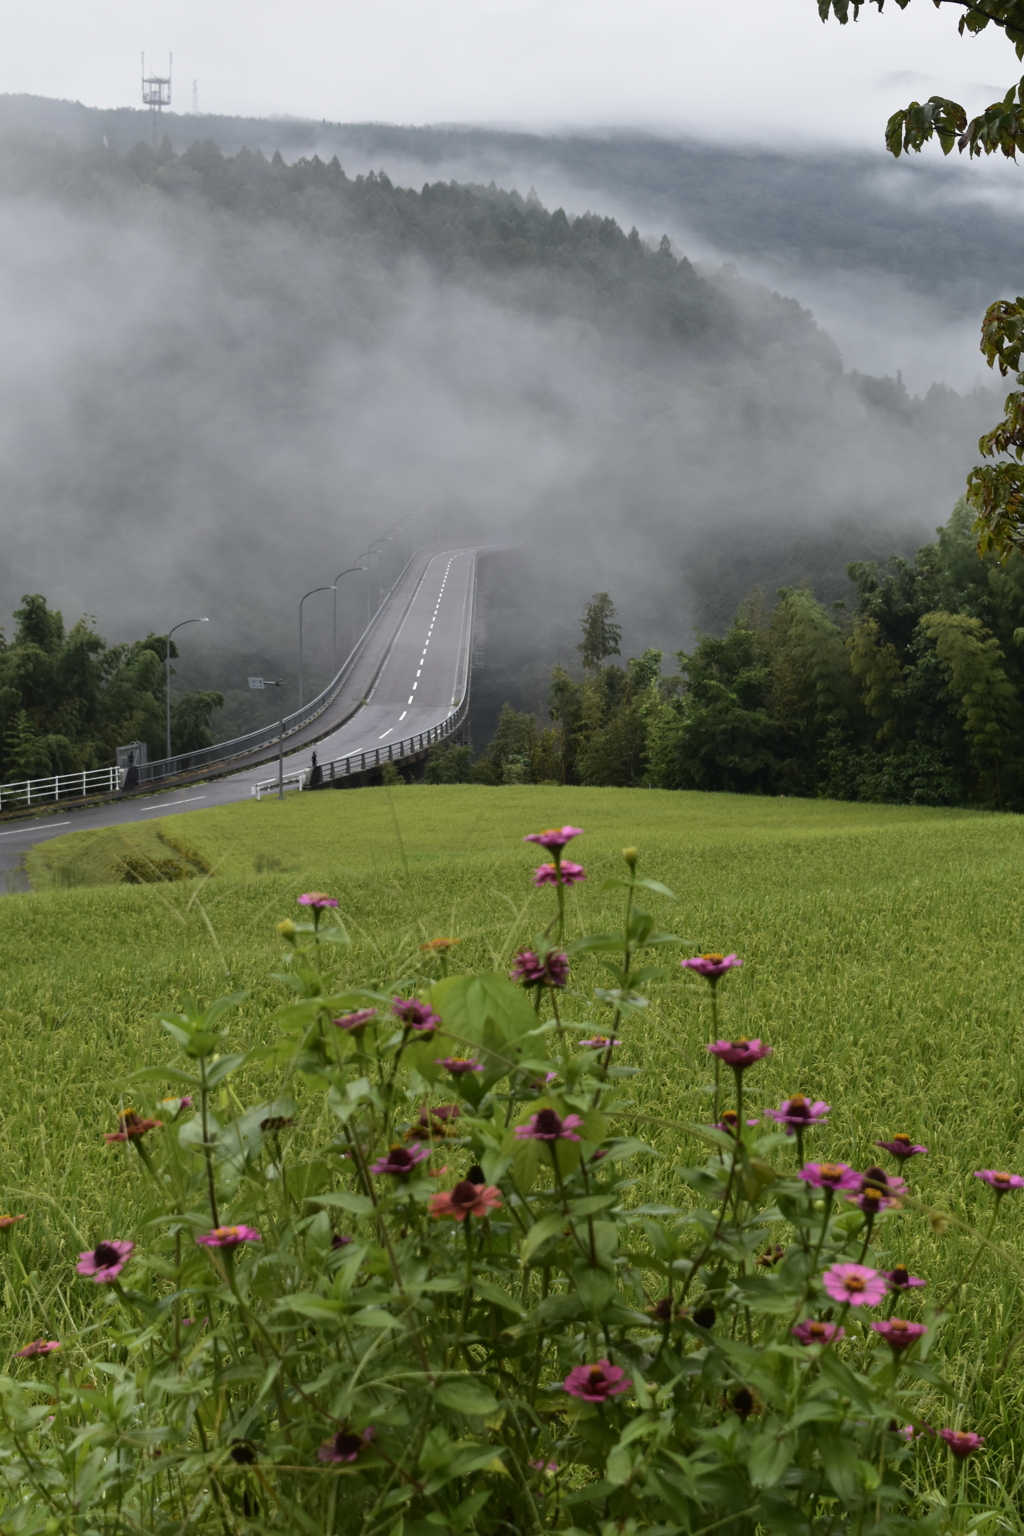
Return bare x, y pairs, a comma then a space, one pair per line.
37, 1347
545, 1466
878, 1191
596, 1383
458, 1064
854, 1283
729, 1121
711, 966
132, 1125
961, 1442
898, 1333
813, 1332
555, 838
798, 1111
228, 1237
401, 1161
1000, 1182
439, 1121
900, 1279
901, 1146
106, 1261
317, 900
548, 874
600, 1043
355, 1022
345, 1445
740, 1053
548, 1125
9, 1221
415, 1015
534, 971
830, 1175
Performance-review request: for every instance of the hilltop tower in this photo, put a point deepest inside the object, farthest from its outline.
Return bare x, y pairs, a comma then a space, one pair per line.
156, 94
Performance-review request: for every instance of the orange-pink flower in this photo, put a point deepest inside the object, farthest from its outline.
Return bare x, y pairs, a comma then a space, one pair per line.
466, 1199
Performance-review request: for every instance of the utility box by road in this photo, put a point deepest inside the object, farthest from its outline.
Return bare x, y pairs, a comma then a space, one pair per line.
129, 760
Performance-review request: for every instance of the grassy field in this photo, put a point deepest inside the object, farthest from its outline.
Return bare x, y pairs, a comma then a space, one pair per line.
883, 962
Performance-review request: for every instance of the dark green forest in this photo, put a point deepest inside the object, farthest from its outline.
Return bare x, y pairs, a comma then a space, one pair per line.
912, 694
68, 700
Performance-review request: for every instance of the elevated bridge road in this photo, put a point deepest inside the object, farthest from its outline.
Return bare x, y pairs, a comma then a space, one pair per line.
422, 678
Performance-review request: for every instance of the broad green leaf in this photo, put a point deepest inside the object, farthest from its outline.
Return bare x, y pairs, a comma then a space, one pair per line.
770, 1455
547, 1227
358, 1205
466, 1394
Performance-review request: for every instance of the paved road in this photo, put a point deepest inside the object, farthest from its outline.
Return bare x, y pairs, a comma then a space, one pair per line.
424, 675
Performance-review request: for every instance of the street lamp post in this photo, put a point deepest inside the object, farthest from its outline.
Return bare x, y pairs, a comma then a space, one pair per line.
267, 682
337, 578
301, 601
167, 664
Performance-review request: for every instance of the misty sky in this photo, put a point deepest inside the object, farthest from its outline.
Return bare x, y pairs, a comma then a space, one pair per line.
742, 69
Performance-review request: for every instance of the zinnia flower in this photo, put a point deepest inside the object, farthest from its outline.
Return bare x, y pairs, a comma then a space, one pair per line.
830, 1175
533, 971
458, 1065
813, 1332
878, 1191
436, 945
228, 1237
549, 1125
345, 1445
898, 1333
596, 1383
317, 900
740, 1053
106, 1261
8, 1221
1000, 1182
439, 1121
548, 874
799, 1111
729, 1122
401, 1161
855, 1283
37, 1347
901, 1146
555, 838
712, 966
132, 1124
355, 1022
415, 1015
600, 1043
466, 1199
961, 1442
545, 1466
900, 1279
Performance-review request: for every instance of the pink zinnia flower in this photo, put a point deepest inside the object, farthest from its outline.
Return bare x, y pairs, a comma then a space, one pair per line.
37, 1347
900, 1279
740, 1053
711, 966
901, 1146
548, 874
458, 1065
830, 1175
596, 1383
961, 1442
466, 1199
132, 1124
545, 1466
898, 1333
813, 1332
8, 1221
1000, 1182
878, 1191
317, 900
799, 1111
729, 1121
345, 1445
415, 1015
599, 1043
401, 1161
228, 1237
855, 1283
551, 970
354, 1022
106, 1261
549, 1125
555, 838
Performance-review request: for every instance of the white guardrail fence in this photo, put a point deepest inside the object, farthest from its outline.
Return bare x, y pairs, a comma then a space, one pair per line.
59, 786
361, 762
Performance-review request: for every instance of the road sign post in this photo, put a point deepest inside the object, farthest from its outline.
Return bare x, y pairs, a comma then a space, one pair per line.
267, 682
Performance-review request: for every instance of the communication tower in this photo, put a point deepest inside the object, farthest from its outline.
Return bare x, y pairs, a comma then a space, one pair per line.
156, 94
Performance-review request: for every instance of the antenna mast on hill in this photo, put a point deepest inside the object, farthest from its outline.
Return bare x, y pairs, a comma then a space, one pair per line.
195, 98
156, 94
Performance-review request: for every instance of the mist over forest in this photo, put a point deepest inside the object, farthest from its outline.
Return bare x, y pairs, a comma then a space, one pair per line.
229, 369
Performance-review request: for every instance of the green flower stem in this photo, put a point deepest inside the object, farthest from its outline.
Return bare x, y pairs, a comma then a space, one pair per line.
207, 1146
716, 1098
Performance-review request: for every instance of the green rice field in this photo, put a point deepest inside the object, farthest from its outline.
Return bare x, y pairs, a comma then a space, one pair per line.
883, 962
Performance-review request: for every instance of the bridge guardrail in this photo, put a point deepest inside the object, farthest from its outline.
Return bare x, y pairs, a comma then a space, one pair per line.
58, 786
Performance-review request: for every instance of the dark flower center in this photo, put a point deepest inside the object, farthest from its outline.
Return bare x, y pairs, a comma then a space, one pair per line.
830, 1171
900, 1275
596, 1379
817, 1330
465, 1193
662, 1309
854, 1283
743, 1402
105, 1255
347, 1444
475, 1175
1000, 1178
398, 1157
549, 1122
715, 959
875, 1178
704, 1317
903, 1139
243, 1452
729, 1118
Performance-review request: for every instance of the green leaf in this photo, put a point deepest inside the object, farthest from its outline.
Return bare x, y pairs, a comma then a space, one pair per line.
466, 1394
489, 1012
839, 1457
770, 1455
222, 1068
547, 1227
358, 1205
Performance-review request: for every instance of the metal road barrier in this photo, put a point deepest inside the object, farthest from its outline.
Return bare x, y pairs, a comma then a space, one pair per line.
60, 786
362, 762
